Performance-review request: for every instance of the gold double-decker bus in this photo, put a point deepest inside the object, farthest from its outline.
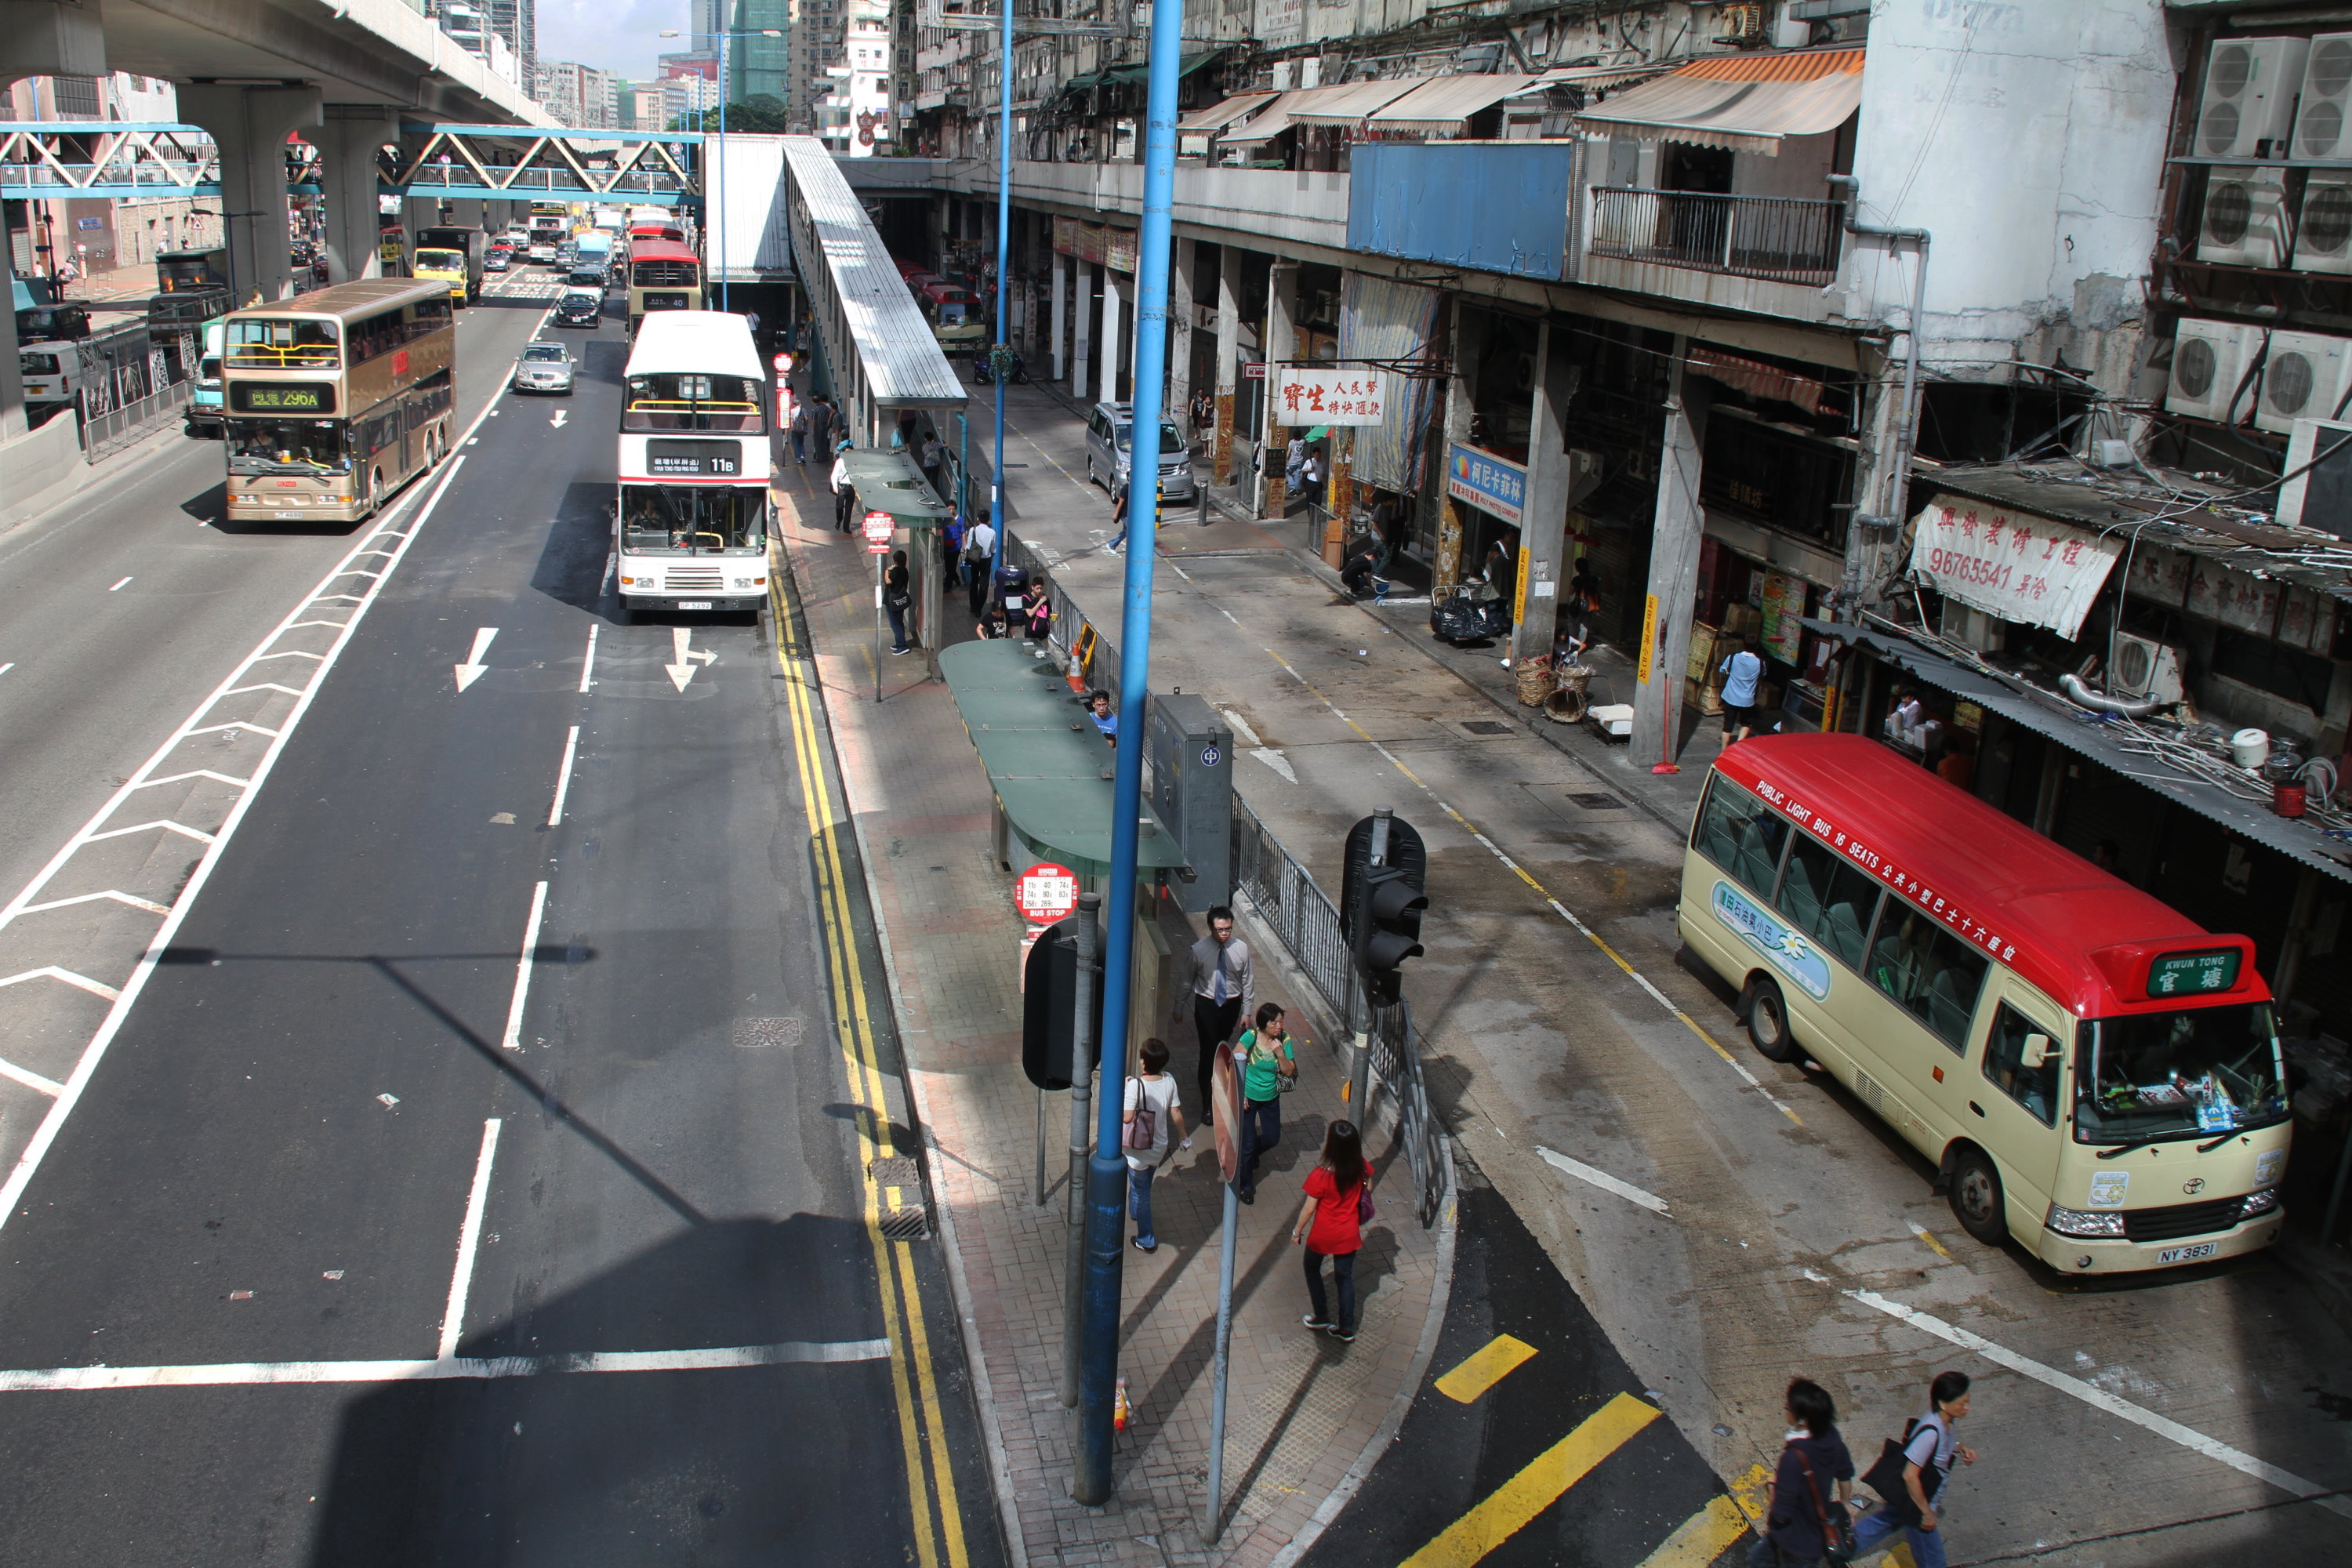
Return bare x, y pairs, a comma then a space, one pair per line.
335, 399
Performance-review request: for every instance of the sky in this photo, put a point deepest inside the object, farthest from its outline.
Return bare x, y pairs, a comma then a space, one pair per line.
619, 36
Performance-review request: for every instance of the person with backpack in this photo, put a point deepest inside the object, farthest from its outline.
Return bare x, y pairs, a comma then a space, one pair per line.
1152, 1107
1910, 1476
1268, 1071
1330, 1225
1811, 1488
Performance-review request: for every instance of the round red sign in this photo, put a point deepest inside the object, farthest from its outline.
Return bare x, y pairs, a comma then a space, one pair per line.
878, 527
1045, 893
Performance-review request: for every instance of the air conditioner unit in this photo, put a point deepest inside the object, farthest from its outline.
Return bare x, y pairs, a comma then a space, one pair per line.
2208, 361
2318, 493
2248, 108
2323, 239
2323, 120
2305, 376
2245, 217
2145, 668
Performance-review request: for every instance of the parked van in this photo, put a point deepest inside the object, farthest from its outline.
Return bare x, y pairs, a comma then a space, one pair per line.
1109, 432
203, 418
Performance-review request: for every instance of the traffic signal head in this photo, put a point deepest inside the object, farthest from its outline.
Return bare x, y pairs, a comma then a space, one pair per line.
1392, 904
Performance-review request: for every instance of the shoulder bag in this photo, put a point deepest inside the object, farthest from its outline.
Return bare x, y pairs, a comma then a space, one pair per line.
1143, 1126
1837, 1524
1885, 1477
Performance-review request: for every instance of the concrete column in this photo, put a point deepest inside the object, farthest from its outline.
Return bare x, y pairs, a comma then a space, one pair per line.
249, 125
1082, 307
1543, 522
1281, 344
1108, 345
1461, 402
1179, 332
465, 212
1658, 666
12, 381
348, 139
1229, 356
1061, 328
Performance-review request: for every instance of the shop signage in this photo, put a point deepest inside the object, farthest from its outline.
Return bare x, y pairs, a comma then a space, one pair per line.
2014, 565
1280, 23
1329, 395
1784, 602
1113, 248
1494, 485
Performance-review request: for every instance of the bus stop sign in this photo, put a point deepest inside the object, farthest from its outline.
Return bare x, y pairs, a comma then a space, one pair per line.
1046, 893
878, 529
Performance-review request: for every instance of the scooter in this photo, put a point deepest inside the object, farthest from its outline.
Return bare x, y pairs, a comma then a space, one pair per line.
983, 376
1474, 613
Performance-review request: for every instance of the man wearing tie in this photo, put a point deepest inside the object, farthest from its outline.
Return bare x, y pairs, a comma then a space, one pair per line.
1225, 991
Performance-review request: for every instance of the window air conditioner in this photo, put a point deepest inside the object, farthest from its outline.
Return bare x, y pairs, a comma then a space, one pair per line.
2208, 361
2323, 241
2305, 376
2145, 668
2249, 103
2323, 120
2245, 217
2318, 491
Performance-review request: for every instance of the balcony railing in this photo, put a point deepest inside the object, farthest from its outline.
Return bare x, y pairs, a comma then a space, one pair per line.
1784, 239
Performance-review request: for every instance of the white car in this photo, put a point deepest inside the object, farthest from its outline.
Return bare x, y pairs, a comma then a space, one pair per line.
543, 367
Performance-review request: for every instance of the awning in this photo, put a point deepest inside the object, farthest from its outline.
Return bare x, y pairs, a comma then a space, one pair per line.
1744, 102
1442, 106
1757, 378
1185, 66
889, 481
2113, 743
1348, 105
1279, 116
1217, 116
1047, 763
1590, 78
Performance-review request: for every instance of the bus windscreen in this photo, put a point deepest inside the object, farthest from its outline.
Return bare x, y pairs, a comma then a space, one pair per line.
2202, 1071
692, 518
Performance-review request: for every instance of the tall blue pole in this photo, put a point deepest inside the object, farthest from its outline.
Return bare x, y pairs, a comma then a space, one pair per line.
997, 362
1106, 1172
717, 171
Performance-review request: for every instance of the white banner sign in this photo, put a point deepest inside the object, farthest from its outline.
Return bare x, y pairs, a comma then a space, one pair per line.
2014, 565
1329, 395
1281, 23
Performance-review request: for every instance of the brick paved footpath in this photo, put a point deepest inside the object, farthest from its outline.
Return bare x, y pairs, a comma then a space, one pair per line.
1305, 1415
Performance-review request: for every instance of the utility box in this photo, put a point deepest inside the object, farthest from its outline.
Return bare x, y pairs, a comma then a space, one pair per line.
1192, 753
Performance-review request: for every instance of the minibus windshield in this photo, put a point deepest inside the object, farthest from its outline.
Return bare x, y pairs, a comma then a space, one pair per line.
2203, 1072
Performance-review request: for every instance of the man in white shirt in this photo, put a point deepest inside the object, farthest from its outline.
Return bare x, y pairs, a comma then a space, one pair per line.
845, 494
979, 559
1225, 991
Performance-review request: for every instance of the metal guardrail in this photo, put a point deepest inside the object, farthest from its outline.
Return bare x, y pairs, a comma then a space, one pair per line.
1784, 239
102, 434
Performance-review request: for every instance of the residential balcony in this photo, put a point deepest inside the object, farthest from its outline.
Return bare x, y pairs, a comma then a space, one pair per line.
1309, 208
1779, 256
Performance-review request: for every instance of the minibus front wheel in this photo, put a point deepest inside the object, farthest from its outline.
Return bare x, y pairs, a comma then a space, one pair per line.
1975, 1198
1767, 1021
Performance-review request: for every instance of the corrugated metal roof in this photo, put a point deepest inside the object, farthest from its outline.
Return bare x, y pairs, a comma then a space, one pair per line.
902, 363
1744, 102
1349, 104
1217, 116
1442, 105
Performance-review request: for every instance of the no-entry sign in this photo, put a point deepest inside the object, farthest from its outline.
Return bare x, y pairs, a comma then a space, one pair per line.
878, 529
1045, 893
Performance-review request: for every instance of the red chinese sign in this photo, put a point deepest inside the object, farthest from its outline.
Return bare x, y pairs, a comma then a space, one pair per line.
1045, 893
1329, 395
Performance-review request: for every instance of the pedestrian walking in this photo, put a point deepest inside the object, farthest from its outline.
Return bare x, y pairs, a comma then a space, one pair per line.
1204, 415
1740, 673
979, 554
1105, 718
1330, 1225
897, 595
1152, 1108
1270, 1069
825, 429
800, 434
952, 552
1910, 1476
1118, 520
1811, 1488
1224, 983
845, 493
1311, 477
1294, 463
933, 459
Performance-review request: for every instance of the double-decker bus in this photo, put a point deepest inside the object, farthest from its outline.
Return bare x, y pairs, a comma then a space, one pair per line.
335, 399
663, 276
2091, 1073
691, 528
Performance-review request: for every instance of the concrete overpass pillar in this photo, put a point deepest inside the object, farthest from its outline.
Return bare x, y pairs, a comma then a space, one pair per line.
43, 38
468, 212
348, 143
249, 125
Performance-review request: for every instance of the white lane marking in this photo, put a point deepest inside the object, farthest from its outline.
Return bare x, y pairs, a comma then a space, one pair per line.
31, 1080
558, 418
197, 834
681, 668
117, 894
1272, 757
563, 777
612, 569
79, 981
118, 585
4, 668
471, 670
469, 1241
588, 659
250, 1374
1603, 1180
2091, 1395
198, 774
1240, 727
512, 1038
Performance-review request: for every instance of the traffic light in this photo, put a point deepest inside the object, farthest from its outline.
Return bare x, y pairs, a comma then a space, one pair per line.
1381, 901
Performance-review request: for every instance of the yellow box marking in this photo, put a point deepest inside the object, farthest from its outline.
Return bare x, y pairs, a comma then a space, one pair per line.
1484, 1368
1702, 1536
1512, 1506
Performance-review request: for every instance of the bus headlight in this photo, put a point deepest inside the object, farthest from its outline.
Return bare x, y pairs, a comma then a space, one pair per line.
2260, 1203
2077, 1222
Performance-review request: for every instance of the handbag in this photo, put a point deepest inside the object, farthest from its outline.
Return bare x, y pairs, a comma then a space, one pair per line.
1837, 1524
1885, 1477
1143, 1126
1365, 1211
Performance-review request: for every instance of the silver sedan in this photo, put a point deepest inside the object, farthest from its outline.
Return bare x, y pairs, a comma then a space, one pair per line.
543, 367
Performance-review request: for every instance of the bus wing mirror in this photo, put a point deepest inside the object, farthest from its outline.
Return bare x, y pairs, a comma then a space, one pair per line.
2039, 1049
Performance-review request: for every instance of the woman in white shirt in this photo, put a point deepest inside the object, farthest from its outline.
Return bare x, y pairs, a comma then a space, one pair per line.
1151, 1107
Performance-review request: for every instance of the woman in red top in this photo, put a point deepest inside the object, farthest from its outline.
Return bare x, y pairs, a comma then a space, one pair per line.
1330, 1225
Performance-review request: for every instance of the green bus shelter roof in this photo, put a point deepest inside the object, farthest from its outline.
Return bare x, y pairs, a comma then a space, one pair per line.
889, 481
1052, 778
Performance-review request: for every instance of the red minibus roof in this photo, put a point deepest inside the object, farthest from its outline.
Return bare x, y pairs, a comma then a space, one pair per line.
2084, 937
661, 251
947, 293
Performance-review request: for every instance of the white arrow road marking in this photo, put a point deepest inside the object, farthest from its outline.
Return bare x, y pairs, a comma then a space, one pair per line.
1272, 757
471, 670
558, 417
1603, 1180
681, 668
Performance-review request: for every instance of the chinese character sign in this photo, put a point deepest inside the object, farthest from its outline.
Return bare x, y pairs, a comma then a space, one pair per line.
1494, 485
2017, 566
1329, 395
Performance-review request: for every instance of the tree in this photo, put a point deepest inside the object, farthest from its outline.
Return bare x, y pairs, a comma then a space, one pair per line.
762, 114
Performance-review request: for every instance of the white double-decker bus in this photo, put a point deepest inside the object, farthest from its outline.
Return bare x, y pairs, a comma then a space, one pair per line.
691, 528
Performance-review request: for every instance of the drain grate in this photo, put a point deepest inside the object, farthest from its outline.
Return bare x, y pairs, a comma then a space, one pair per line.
1485, 726
1597, 802
753, 1034
904, 1215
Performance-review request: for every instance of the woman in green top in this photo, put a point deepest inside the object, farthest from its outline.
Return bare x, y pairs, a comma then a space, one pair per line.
1267, 1067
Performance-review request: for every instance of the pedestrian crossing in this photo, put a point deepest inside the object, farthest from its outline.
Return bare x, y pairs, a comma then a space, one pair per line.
532, 285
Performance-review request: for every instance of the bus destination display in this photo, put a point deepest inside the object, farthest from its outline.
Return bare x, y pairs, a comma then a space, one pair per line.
691, 460
282, 397
2193, 973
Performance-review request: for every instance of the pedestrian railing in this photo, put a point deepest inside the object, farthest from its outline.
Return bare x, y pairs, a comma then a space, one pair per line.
102, 434
1785, 239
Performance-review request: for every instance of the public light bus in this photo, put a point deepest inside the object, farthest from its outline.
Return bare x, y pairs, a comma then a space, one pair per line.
954, 316
2093, 1074
333, 400
690, 530
663, 276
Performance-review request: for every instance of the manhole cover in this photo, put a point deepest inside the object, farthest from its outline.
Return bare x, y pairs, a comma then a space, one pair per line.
1597, 802
1485, 726
903, 1214
752, 1034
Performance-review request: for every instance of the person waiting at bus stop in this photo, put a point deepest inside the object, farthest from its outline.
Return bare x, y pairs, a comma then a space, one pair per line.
1268, 1071
845, 494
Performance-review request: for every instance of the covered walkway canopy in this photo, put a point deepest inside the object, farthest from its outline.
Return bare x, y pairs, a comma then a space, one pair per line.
1050, 768
1746, 102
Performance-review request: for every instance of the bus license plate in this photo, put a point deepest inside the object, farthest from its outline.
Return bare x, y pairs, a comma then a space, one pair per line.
694, 604
2189, 1254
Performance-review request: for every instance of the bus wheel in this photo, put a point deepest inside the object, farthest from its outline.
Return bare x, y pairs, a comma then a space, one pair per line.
1976, 1199
1768, 1022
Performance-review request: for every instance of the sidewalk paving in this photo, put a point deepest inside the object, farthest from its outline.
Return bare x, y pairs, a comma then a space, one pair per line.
1307, 1416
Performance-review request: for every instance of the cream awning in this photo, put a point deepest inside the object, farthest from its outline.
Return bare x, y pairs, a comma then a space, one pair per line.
1348, 104
1590, 78
1442, 106
1744, 102
1217, 116
1280, 115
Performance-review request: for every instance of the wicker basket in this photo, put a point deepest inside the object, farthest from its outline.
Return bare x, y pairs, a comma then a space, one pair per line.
1535, 679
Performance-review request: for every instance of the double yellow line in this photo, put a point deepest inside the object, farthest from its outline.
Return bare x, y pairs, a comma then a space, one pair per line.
936, 1515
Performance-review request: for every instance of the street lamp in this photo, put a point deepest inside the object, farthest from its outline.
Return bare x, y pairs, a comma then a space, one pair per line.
717, 172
